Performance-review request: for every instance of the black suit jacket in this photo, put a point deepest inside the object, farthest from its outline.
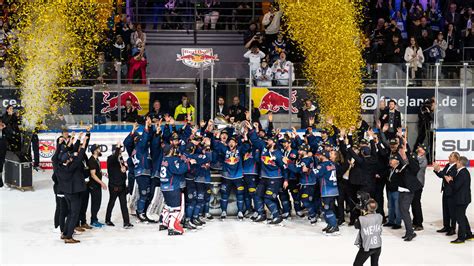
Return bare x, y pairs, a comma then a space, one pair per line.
384, 117
462, 187
445, 186
408, 178
71, 177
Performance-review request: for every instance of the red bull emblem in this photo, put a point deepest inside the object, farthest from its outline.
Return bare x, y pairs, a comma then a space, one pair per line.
112, 102
267, 160
195, 57
231, 160
47, 148
273, 101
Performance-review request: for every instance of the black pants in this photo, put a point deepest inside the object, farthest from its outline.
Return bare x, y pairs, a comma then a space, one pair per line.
35, 147
96, 199
449, 212
61, 212
362, 256
416, 208
344, 196
121, 194
84, 203
404, 202
464, 229
73, 201
378, 195
355, 213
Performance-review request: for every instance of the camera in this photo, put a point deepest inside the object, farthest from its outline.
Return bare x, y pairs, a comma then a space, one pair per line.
363, 200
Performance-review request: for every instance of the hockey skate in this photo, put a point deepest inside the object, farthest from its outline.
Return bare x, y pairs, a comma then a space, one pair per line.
326, 228
223, 215
189, 225
209, 216
276, 220
300, 214
332, 231
198, 220
240, 216
313, 220
248, 214
142, 217
260, 218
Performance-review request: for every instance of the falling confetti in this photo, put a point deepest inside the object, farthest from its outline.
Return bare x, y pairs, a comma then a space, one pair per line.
328, 33
56, 41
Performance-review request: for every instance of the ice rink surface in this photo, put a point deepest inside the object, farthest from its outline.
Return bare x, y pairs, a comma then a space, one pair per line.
27, 237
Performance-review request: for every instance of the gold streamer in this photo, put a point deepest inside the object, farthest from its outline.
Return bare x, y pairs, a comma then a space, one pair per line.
56, 40
327, 31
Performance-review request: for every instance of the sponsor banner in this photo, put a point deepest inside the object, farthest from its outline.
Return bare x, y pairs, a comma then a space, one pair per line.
197, 57
107, 102
277, 100
106, 140
454, 140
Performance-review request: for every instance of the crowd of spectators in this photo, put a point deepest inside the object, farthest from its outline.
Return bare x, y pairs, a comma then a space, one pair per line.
418, 32
123, 53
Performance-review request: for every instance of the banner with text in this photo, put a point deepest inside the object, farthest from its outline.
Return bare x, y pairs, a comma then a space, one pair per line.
455, 140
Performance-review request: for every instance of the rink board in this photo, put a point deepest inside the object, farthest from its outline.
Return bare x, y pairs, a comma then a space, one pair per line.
454, 140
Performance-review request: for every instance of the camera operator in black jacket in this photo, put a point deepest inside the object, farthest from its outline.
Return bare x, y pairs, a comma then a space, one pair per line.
117, 174
425, 118
71, 182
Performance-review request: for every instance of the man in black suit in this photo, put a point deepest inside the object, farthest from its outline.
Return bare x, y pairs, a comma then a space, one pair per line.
221, 109
237, 111
71, 182
449, 221
462, 198
391, 117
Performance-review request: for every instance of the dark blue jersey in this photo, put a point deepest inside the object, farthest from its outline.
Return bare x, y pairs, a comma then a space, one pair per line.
292, 156
325, 174
271, 163
232, 165
250, 159
203, 174
172, 173
305, 178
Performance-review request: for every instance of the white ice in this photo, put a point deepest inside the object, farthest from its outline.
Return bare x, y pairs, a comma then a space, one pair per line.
26, 236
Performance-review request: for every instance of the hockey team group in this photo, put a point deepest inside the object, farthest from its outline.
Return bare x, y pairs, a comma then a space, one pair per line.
271, 172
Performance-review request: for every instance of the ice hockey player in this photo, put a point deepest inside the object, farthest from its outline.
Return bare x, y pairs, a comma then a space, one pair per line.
325, 173
172, 172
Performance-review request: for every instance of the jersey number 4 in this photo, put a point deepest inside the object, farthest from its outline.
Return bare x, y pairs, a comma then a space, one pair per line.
333, 177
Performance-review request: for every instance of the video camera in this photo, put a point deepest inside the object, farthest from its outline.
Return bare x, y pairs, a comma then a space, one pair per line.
363, 199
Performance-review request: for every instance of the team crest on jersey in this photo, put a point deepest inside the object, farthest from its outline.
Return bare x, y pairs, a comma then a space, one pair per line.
176, 163
268, 160
232, 158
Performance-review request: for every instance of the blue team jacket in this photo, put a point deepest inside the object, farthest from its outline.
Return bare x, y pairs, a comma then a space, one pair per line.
250, 159
307, 178
232, 165
271, 163
203, 174
141, 159
292, 157
325, 174
172, 173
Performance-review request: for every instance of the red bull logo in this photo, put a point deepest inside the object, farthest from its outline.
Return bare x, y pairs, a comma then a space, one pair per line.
267, 160
231, 160
112, 102
195, 57
273, 101
47, 148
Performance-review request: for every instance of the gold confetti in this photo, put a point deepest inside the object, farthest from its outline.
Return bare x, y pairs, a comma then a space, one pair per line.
56, 40
328, 33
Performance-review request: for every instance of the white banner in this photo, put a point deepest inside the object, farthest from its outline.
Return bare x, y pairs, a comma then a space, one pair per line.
450, 140
106, 140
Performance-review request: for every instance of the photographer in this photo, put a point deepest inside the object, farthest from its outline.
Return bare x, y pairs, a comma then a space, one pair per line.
425, 118
369, 239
